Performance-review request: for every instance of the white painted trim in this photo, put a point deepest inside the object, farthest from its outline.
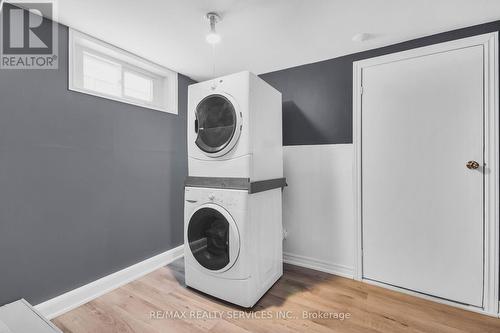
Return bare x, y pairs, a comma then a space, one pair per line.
321, 145
356, 140
79, 40
492, 216
430, 298
491, 82
72, 299
319, 265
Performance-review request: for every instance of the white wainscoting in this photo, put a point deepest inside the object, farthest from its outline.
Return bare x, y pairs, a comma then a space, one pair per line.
318, 210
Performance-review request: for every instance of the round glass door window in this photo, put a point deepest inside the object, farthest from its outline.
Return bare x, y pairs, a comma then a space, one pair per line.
208, 237
215, 123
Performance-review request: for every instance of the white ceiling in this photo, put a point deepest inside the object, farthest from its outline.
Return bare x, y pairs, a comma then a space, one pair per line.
264, 35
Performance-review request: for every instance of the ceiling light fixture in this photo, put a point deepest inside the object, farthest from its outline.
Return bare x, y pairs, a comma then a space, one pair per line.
213, 37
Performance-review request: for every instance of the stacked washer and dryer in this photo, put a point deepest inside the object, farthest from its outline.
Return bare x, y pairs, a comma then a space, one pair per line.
233, 218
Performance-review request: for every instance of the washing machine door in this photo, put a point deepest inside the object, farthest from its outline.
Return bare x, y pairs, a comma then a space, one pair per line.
218, 124
213, 238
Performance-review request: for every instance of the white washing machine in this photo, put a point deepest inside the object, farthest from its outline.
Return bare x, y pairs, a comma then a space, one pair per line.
234, 128
233, 243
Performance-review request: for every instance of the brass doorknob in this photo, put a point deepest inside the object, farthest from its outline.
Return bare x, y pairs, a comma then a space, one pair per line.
472, 165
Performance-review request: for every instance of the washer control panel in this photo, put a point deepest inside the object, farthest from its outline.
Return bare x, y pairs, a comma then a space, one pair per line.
230, 199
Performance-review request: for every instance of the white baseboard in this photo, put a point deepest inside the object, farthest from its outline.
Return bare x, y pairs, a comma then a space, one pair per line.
432, 298
68, 301
319, 265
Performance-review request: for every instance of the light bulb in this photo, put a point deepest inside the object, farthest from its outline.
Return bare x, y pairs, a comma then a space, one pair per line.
213, 38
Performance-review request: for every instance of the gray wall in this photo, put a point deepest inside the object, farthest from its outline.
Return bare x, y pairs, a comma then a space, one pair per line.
317, 98
87, 185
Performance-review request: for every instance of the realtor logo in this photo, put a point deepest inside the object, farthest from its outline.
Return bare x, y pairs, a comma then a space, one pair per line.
29, 35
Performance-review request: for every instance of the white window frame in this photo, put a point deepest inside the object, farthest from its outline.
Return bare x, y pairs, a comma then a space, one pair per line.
165, 80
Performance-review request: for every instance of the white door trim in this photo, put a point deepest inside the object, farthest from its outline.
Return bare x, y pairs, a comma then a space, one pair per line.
491, 158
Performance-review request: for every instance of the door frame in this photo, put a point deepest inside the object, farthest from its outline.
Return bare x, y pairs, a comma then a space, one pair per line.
489, 42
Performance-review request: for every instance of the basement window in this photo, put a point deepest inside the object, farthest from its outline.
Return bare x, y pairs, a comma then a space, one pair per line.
100, 69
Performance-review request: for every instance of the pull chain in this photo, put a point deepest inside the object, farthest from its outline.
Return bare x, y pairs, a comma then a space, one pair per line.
213, 60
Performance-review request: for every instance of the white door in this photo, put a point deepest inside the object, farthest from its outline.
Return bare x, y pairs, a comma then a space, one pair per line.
422, 207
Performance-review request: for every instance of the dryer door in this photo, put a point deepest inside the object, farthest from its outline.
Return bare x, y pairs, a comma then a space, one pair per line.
213, 238
217, 124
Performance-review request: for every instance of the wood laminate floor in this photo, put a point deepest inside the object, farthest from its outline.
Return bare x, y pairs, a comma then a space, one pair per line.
145, 304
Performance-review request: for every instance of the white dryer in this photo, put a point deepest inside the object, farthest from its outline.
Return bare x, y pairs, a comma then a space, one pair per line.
235, 128
233, 243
